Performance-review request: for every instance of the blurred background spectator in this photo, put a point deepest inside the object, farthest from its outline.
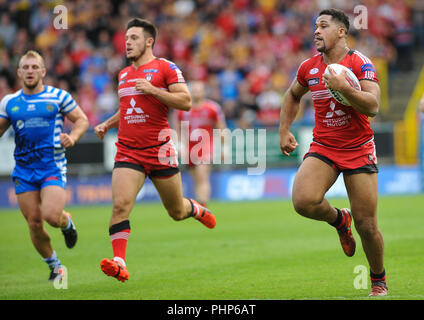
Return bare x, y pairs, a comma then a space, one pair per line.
247, 51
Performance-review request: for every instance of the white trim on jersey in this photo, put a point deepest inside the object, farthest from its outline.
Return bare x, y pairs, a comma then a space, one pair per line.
180, 77
166, 60
320, 94
132, 91
4, 102
365, 60
54, 95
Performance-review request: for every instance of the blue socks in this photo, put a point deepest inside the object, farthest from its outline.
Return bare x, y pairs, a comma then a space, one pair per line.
52, 261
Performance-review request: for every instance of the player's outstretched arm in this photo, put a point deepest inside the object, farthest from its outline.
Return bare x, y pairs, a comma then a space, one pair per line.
366, 101
113, 122
4, 125
80, 126
178, 96
289, 109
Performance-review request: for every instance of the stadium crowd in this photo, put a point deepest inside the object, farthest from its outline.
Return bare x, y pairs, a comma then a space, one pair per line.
247, 51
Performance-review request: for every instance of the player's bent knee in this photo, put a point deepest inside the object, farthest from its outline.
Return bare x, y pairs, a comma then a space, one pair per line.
121, 207
53, 220
35, 224
299, 206
304, 206
366, 228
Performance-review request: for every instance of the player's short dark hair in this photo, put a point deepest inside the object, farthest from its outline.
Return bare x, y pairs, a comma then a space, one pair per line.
148, 27
337, 15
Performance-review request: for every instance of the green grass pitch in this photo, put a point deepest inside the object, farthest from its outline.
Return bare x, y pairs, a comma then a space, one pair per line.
258, 250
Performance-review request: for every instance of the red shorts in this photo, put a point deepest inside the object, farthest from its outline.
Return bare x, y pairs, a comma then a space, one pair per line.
358, 159
156, 161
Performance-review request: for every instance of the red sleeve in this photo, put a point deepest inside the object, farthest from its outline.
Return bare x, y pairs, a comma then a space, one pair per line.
301, 72
363, 68
172, 73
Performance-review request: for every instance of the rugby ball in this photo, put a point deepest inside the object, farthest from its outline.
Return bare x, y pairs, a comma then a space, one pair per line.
351, 79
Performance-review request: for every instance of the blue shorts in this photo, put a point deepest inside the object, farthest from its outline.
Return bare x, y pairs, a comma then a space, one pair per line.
36, 179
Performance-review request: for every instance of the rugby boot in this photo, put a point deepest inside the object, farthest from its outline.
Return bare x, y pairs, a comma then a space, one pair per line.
115, 269
345, 234
202, 214
71, 235
378, 288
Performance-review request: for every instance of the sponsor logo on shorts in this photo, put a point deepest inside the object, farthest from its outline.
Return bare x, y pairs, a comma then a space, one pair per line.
372, 158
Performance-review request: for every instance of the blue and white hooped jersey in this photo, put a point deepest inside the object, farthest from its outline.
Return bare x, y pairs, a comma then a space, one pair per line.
38, 122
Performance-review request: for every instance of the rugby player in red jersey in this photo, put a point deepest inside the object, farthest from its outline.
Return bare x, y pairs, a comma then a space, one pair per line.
343, 142
147, 89
205, 116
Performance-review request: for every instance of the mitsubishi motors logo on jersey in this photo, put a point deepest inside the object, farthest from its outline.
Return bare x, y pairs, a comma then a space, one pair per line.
135, 114
332, 112
336, 117
134, 108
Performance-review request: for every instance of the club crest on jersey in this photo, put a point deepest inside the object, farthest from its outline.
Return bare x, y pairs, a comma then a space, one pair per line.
313, 71
149, 77
49, 108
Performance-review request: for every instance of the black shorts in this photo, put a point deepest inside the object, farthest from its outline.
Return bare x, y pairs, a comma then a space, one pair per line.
160, 173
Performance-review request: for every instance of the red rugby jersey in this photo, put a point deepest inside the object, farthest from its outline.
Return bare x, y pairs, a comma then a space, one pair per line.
337, 125
204, 116
142, 116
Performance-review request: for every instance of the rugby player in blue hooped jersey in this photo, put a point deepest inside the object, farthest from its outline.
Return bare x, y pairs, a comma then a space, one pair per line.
36, 113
